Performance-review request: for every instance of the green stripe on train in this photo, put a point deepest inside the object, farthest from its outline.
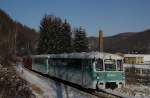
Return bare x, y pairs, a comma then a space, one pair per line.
108, 76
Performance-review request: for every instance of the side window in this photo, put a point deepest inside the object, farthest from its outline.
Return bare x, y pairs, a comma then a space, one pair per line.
119, 65
88, 63
58, 62
50, 62
40, 60
64, 62
61, 62
99, 65
75, 63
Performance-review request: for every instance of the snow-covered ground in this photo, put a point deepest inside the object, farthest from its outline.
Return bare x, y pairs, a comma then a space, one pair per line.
135, 91
144, 66
132, 91
46, 88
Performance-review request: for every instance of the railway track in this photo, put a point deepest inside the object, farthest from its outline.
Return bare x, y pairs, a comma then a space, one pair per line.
101, 93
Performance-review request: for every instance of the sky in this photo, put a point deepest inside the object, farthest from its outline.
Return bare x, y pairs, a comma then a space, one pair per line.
110, 16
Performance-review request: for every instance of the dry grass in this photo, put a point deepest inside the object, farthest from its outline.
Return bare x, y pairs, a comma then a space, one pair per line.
37, 89
12, 86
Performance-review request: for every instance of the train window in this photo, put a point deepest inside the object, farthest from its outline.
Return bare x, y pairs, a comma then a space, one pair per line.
87, 63
70, 63
110, 65
40, 60
75, 63
119, 65
62, 62
58, 62
50, 62
99, 65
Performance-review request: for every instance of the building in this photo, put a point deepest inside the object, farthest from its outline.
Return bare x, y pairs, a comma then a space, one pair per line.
137, 67
137, 58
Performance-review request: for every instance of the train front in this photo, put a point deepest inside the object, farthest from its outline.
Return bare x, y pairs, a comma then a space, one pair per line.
109, 73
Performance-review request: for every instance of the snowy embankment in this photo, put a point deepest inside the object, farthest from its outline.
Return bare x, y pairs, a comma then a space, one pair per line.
46, 88
132, 91
135, 91
11, 85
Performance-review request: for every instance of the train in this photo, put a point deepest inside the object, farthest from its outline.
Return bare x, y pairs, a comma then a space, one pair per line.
92, 70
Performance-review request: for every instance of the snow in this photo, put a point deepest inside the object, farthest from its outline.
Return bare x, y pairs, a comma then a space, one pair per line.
35, 80
133, 55
90, 55
147, 59
135, 91
46, 88
144, 66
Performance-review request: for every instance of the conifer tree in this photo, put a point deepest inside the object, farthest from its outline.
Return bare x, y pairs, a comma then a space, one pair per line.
80, 42
43, 40
55, 35
66, 31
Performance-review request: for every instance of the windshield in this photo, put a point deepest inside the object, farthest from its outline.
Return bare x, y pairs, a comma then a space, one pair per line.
99, 65
119, 65
110, 65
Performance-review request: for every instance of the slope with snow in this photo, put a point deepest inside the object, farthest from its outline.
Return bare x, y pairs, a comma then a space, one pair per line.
46, 88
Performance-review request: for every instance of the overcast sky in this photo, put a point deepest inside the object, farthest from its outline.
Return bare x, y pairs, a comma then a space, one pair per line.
110, 16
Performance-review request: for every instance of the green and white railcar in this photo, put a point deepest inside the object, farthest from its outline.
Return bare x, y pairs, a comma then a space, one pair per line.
90, 70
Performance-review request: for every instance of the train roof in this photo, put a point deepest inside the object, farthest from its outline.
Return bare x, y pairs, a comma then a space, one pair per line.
82, 55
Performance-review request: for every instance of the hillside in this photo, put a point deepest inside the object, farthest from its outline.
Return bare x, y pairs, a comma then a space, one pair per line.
126, 42
15, 37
